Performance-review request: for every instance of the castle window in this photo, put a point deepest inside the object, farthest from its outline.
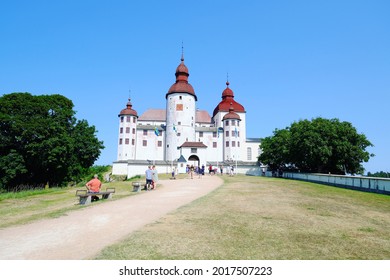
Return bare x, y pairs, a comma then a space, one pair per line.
179, 123
233, 122
127, 118
127, 141
194, 150
227, 123
238, 143
122, 118
134, 119
145, 132
133, 142
214, 134
227, 143
121, 130
233, 143
127, 129
227, 133
249, 153
159, 144
144, 143
180, 97
201, 134
214, 144
133, 130
120, 141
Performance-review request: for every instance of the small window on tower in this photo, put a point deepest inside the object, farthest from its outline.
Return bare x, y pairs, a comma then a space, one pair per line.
180, 97
179, 107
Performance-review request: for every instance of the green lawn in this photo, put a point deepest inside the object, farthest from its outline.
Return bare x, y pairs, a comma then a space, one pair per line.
252, 218
246, 218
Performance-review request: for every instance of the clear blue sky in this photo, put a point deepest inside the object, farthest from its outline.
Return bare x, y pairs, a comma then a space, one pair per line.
287, 60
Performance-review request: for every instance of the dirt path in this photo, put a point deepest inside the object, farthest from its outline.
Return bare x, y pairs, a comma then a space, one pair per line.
66, 238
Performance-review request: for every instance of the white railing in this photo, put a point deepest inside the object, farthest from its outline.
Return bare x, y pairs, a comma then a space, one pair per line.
370, 184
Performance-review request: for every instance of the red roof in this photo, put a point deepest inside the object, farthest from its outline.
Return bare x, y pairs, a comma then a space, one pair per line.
201, 116
128, 110
227, 102
153, 115
193, 145
181, 85
231, 114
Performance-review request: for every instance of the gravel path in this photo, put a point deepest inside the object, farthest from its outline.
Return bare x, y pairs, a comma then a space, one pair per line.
83, 233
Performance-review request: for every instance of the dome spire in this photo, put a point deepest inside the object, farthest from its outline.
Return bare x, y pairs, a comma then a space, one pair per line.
182, 51
227, 79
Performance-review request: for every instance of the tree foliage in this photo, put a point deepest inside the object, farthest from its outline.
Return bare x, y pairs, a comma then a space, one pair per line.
42, 142
380, 174
320, 145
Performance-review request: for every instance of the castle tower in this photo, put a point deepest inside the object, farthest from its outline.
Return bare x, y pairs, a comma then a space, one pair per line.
231, 138
127, 133
223, 108
181, 110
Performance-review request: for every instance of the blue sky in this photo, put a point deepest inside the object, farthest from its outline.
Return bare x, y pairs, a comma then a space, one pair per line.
287, 60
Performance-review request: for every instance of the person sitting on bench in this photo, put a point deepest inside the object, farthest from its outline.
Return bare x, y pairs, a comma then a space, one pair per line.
93, 186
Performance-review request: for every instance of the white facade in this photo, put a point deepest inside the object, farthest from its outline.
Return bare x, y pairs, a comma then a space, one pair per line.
181, 135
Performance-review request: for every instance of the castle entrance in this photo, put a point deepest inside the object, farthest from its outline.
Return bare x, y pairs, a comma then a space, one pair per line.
194, 160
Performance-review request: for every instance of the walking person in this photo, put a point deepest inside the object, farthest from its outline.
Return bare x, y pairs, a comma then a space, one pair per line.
149, 178
154, 177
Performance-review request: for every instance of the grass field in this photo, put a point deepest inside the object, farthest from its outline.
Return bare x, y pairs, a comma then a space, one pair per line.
246, 218
252, 218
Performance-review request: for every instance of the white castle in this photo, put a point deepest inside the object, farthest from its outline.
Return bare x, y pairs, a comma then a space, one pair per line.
182, 135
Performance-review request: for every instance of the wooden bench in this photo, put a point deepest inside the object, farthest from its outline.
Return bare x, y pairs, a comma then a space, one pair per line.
85, 197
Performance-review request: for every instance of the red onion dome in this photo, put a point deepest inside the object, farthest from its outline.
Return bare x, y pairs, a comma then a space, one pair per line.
128, 110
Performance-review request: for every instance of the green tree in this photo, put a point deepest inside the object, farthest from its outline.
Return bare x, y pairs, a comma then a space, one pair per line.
320, 145
42, 142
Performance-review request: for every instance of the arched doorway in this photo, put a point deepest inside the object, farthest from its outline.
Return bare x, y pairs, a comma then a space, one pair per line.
194, 160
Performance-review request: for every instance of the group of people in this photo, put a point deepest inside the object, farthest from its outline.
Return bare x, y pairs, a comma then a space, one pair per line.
151, 174
195, 169
151, 178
